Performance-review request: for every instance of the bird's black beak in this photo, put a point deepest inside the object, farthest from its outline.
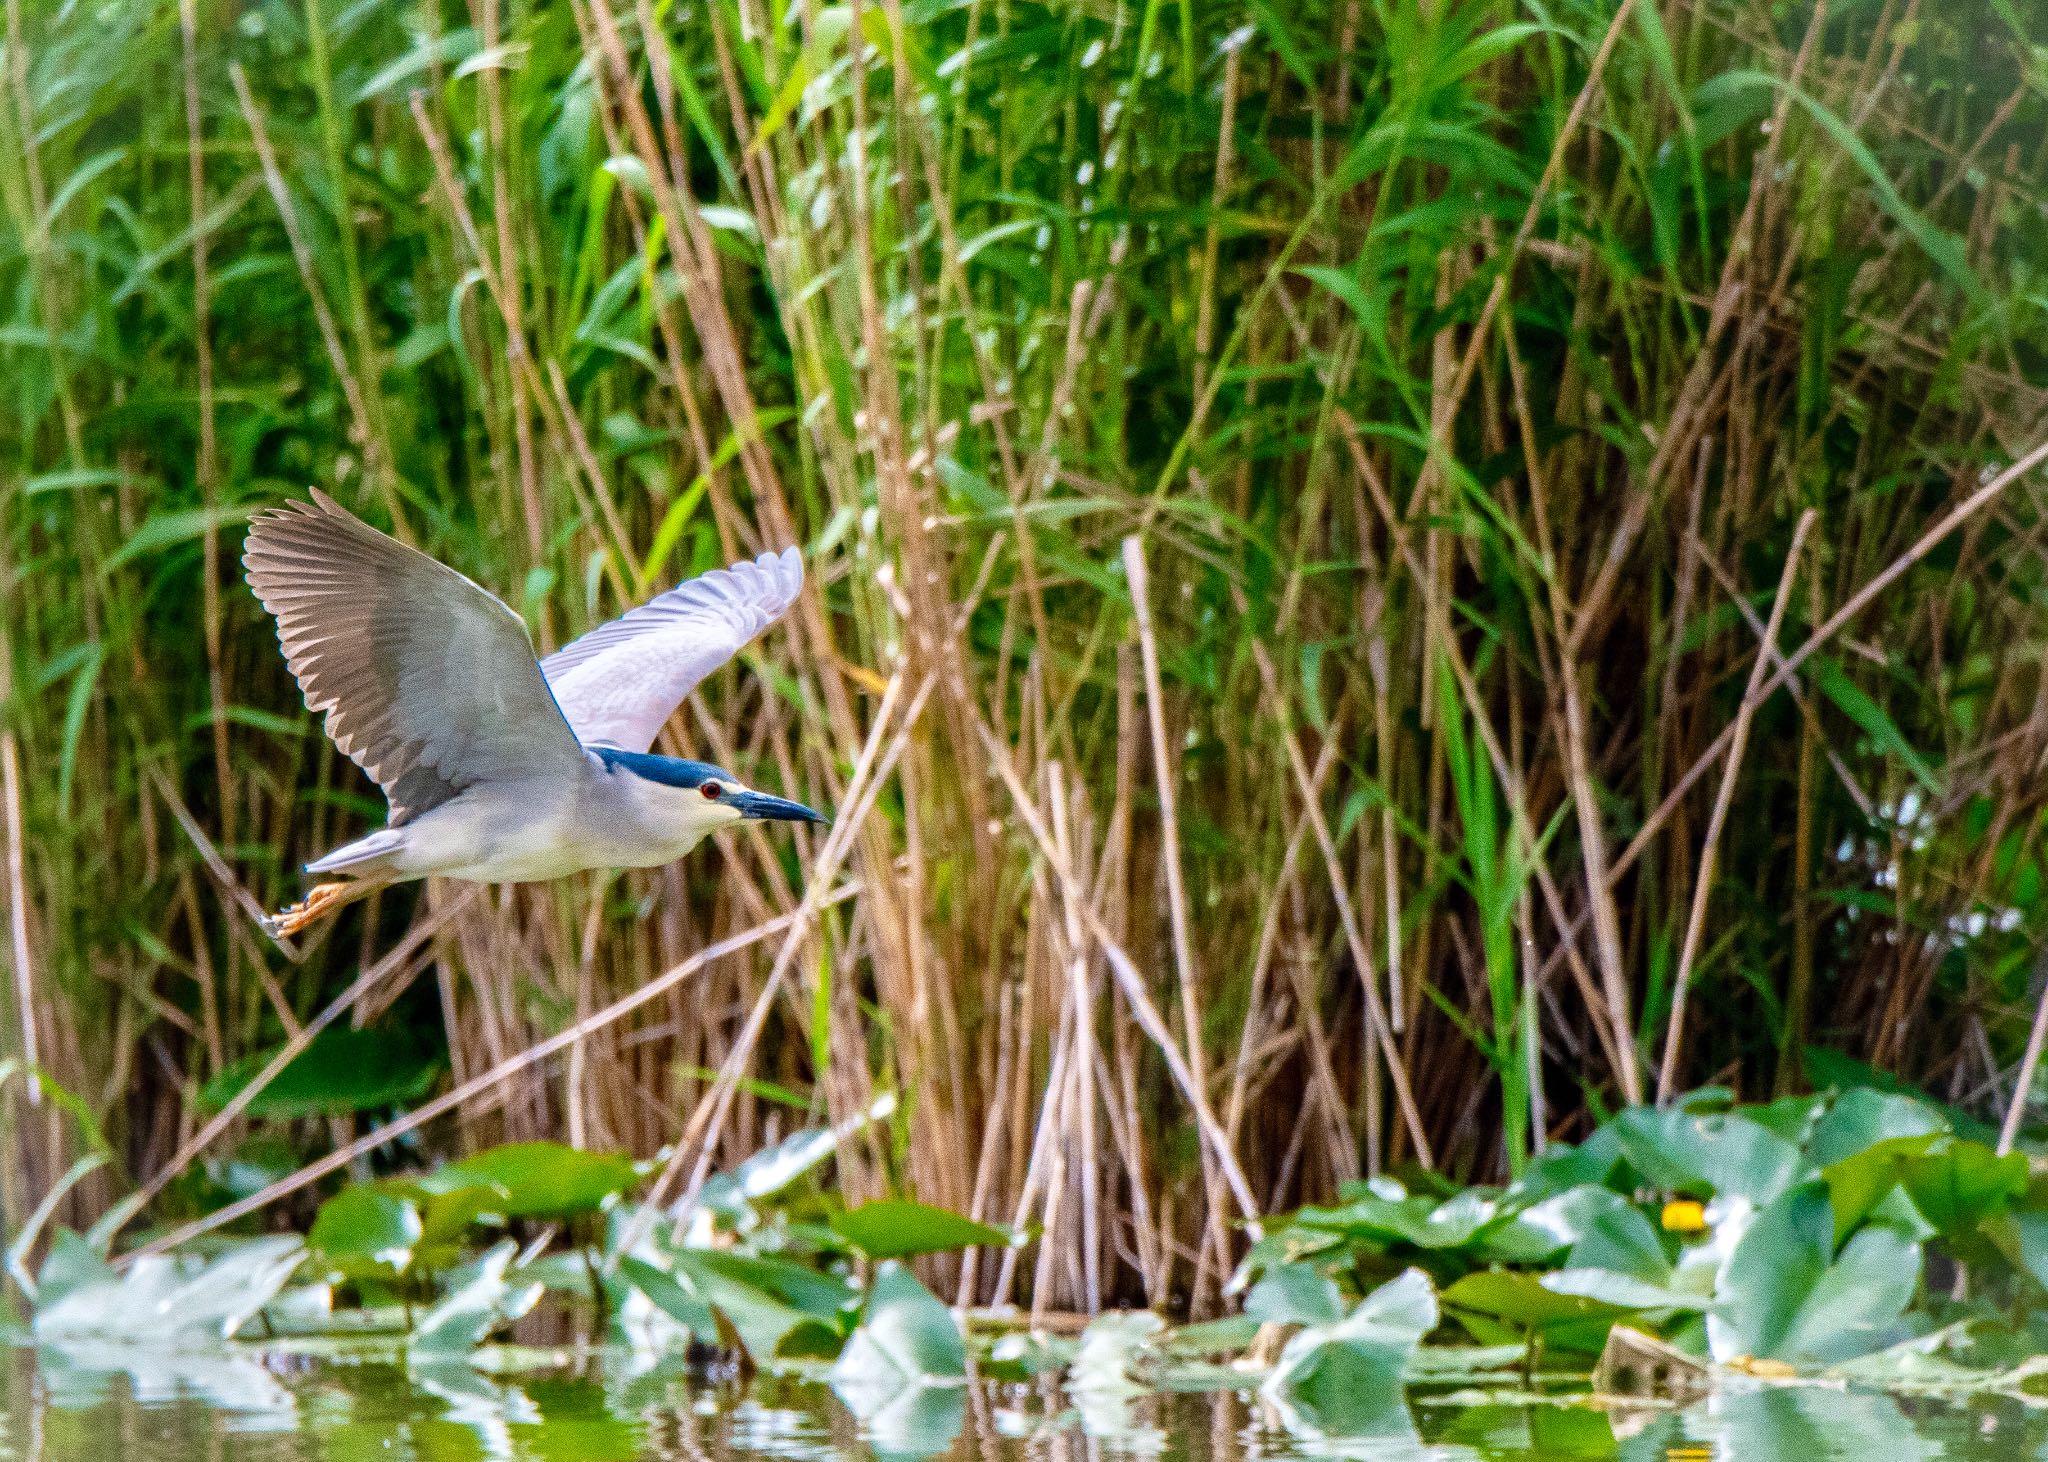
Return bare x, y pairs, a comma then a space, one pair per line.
759, 806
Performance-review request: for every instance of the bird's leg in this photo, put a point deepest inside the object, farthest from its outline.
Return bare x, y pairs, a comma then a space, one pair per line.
321, 900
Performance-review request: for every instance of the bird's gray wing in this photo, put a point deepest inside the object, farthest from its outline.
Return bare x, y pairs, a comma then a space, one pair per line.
428, 681
618, 683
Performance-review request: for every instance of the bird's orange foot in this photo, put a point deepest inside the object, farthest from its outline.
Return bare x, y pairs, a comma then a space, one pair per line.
320, 900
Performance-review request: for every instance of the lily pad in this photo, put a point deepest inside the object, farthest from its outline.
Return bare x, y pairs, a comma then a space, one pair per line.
481, 1300
365, 1231
340, 1071
777, 1308
1706, 1154
896, 1228
904, 1368
159, 1297
675, 1297
1344, 1379
1787, 1294
1519, 1304
1863, 1116
1295, 1294
539, 1179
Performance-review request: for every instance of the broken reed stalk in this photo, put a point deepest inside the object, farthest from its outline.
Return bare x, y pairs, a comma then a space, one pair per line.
370, 979
463, 1092
20, 948
2030, 1061
1710, 845
1165, 773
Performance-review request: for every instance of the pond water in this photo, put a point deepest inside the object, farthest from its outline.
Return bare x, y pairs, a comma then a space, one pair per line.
109, 1407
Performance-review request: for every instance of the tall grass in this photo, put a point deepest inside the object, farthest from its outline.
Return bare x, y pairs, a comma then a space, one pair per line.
1294, 494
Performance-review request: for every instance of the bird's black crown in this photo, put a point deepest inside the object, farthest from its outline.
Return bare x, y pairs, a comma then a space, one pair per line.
671, 771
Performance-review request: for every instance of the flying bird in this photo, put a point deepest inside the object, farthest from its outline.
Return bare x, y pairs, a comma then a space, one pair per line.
498, 767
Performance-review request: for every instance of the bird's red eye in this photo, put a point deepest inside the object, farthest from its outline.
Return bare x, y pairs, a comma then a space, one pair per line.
713, 791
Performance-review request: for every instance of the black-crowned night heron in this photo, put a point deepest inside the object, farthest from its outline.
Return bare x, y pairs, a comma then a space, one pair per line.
500, 768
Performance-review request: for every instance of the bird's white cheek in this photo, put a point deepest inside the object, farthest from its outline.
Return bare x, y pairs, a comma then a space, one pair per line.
705, 815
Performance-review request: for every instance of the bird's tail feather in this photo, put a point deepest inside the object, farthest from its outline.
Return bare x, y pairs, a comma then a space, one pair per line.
353, 857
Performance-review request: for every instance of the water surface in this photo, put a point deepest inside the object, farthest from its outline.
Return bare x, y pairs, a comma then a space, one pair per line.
104, 1405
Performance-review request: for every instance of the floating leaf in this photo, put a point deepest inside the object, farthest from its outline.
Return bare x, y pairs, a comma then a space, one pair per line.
1519, 1304
1863, 1116
905, 1335
364, 1230
906, 1348
540, 1179
778, 1309
895, 1228
1952, 1184
159, 1297
769, 1171
340, 1071
1344, 1379
480, 1301
1786, 1294
675, 1297
1295, 1294
1111, 1351
1706, 1153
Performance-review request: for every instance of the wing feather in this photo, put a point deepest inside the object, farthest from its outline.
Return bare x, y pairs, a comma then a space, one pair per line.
620, 682
427, 680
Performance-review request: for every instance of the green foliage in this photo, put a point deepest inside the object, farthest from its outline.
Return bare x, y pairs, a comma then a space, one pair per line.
1795, 1231
481, 1297
1344, 1377
162, 1299
1789, 1292
340, 1071
905, 1339
539, 1179
365, 1231
1809, 1253
896, 1228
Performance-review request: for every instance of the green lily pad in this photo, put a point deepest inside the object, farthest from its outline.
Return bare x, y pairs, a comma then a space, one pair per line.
904, 1369
675, 1297
896, 1228
160, 1298
1345, 1379
1295, 1294
1519, 1304
363, 1230
1707, 1154
539, 1179
1953, 1184
340, 1071
482, 1299
1787, 1294
778, 1309
1863, 1116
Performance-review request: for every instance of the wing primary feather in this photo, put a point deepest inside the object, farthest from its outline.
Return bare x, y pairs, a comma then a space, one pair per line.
427, 681
621, 681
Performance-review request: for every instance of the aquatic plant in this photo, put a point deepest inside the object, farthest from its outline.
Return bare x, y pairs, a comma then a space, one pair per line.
1390, 580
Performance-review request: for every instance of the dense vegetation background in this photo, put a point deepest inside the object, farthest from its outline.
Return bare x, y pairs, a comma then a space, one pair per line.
1311, 508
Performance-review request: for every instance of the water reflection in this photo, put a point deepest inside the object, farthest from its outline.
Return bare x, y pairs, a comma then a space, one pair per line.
106, 1402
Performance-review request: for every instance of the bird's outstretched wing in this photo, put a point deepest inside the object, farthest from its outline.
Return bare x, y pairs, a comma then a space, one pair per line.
618, 683
428, 681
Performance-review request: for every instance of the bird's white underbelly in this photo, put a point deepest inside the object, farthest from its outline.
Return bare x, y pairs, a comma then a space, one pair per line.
531, 834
